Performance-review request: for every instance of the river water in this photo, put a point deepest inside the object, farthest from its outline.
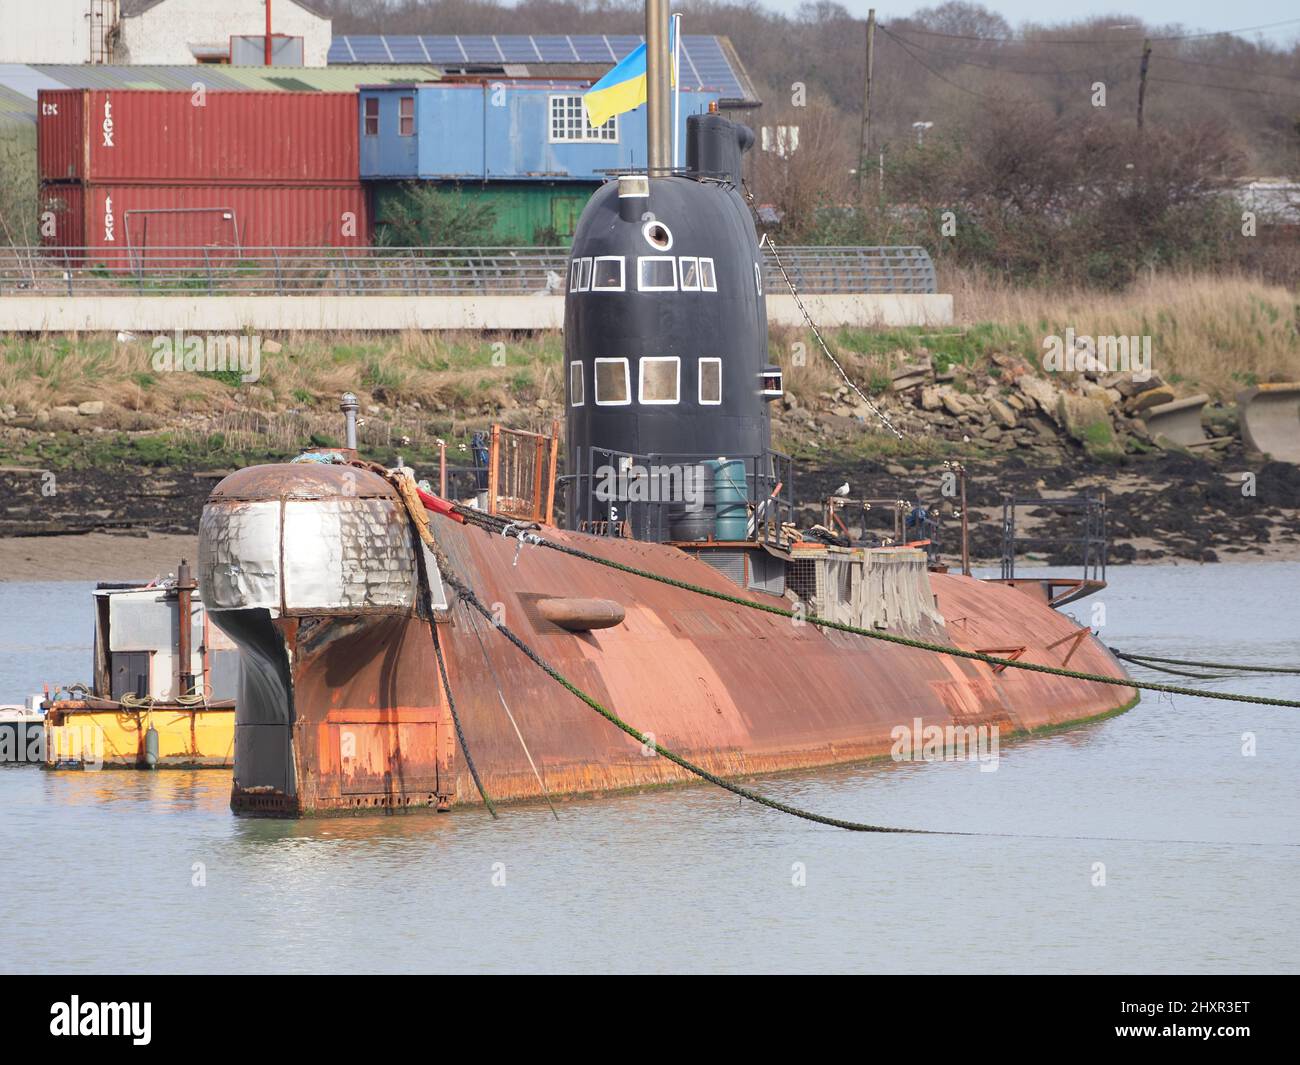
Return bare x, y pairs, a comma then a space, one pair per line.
1198, 843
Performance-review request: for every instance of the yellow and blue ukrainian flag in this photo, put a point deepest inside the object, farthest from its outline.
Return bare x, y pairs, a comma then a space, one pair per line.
623, 88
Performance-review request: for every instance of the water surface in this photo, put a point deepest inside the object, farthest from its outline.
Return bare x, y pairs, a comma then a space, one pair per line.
123, 871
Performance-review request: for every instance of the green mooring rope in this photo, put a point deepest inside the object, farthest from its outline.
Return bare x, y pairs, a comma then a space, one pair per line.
505, 528
1142, 659
467, 594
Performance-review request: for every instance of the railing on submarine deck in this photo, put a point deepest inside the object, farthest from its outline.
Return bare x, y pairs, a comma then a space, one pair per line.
370, 271
600, 502
908, 523
1091, 541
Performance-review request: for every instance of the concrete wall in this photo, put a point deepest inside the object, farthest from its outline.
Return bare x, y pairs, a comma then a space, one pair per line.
52, 31
165, 32
226, 314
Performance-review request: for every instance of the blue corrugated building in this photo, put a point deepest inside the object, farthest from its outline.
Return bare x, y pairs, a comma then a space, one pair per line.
499, 131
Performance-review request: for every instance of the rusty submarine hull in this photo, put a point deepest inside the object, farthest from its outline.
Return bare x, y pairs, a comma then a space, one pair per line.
311, 569
315, 570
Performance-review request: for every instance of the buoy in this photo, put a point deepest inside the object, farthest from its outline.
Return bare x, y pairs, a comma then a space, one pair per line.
151, 747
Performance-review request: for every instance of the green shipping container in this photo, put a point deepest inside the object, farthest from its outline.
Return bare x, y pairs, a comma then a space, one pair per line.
524, 212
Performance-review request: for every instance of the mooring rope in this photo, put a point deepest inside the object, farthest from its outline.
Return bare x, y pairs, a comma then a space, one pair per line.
1132, 656
497, 526
416, 512
455, 717
467, 595
1166, 669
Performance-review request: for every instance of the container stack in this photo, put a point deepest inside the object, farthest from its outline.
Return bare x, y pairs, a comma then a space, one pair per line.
133, 175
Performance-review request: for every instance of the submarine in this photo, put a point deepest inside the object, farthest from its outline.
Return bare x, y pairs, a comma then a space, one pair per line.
346, 619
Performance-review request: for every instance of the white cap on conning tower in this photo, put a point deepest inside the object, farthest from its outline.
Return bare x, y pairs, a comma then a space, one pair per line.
633, 185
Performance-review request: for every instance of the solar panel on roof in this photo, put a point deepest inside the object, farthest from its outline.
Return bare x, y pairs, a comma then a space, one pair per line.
517, 49
480, 49
623, 46
592, 50
705, 64
407, 50
443, 49
554, 49
369, 49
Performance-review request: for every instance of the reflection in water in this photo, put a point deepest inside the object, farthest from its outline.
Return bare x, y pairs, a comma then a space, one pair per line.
693, 879
181, 789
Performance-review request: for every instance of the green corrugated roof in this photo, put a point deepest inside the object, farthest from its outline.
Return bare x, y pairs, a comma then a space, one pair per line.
326, 79
16, 106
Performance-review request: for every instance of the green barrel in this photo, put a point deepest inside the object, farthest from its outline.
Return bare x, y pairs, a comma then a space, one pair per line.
731, 499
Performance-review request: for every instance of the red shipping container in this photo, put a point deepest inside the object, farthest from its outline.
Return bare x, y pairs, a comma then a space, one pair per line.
135, 220
235, 138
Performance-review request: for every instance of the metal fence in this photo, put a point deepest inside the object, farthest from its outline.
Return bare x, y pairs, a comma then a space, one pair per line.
503, 271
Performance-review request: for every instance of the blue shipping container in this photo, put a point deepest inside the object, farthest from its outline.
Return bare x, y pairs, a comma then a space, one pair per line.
499, 130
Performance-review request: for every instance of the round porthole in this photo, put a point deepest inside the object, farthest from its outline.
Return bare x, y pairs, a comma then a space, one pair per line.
657, 235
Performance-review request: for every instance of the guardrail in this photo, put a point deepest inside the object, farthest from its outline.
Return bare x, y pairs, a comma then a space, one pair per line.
216, 270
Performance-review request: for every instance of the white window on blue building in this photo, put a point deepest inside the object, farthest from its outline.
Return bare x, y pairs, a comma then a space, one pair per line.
568, 122
372, 116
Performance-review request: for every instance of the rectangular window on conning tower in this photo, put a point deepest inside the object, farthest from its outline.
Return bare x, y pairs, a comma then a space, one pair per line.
607, 274
710, 381
708, 278
656, 273
576, 398
612, 386
660, 378
580, 275
690, 274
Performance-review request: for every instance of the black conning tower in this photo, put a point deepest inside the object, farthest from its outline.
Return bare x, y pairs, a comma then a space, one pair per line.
665, 322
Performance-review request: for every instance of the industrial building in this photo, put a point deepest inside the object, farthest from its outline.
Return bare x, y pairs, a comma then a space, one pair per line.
162, 31
522, 147
498, 119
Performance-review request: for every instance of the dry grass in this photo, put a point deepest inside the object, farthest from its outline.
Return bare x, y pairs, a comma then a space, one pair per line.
1212, 333
458, 371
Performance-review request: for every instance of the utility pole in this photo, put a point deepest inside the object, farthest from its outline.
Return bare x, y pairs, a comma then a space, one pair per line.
865, 145
1142, 77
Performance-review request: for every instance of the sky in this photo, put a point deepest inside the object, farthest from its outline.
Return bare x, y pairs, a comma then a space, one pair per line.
1195, 14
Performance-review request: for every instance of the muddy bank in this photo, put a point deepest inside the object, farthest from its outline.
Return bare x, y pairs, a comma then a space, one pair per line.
1164, 506
1167, 506
102, 556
